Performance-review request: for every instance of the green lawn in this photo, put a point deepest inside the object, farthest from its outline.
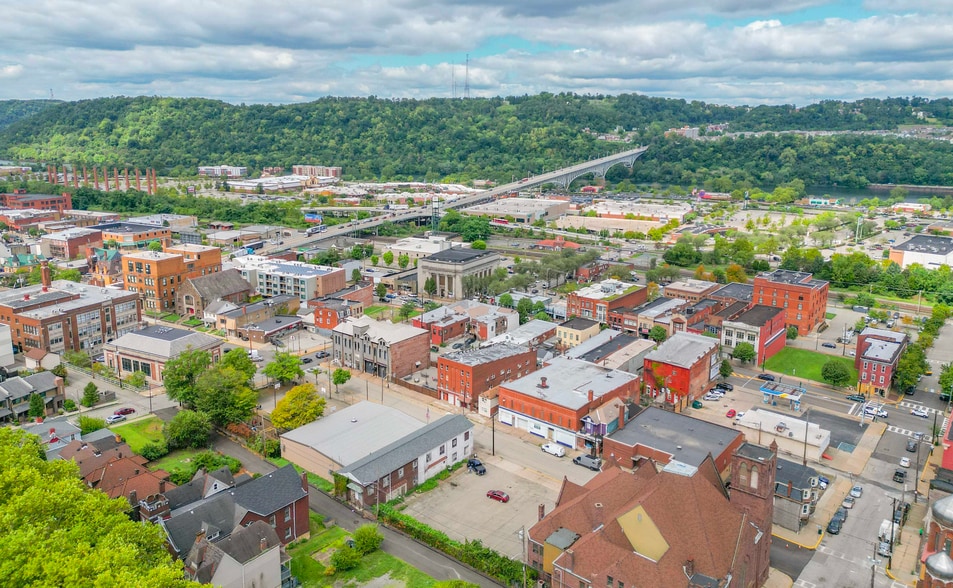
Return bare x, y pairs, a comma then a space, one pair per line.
305, 564
807, 364
314, 480
375, 310
140, 433
177, 461
397, 318
829, 315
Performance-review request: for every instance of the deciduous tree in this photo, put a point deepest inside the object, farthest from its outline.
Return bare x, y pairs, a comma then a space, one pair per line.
300, 406
835, 373
188, 428
223, 394
339, 377
284, 368
744, 352
181, 373
658, 333
238, 359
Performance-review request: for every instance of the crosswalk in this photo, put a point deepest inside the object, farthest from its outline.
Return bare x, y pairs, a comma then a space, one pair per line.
857, 408
855, 564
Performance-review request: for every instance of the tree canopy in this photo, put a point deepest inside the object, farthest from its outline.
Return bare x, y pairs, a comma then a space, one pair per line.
238, 359
300, 406
58, 532
181, 374
284, 368
223, 394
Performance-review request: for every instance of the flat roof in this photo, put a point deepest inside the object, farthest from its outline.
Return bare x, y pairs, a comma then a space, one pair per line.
379, 330
127, 227
883, 334
459, 255
692, 285
482, 355
579, 323
688, 440
659, 306
781, 276
879, 350
926, 244
72, 233
607, 290
569, 382
683, 349
758, 315
736, 291
354, 432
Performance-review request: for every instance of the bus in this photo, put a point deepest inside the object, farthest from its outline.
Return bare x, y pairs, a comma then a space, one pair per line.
254, 246
502, 222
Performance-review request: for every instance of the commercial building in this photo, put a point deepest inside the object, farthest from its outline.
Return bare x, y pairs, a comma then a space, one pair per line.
330, 311
803, 298
481, 320
681, 370
453, 270
176, 222
531, 334
787, 433
598, 300
382, 348
640, 210
304, 280
664, 312
761, 326
927, 250
463, 375
575, 331
149, 349
616, 350
85, 218
134, 236
521, 210
63, 315
156, 275
22, 220
233, 320
552, 401
196, 293
690, 289
733, 292
21, 200
70, 243
876, 358
657, 437
418, 247
660, 528
227, 171
325, 171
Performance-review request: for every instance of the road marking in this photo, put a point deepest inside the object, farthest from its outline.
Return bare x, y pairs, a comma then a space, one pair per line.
912, 405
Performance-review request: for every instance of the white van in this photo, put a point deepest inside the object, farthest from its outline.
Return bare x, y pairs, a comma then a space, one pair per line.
554, 449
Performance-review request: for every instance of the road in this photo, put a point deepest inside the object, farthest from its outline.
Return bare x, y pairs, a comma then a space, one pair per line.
788, 558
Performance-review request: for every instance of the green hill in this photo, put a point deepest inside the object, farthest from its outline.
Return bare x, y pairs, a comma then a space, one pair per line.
13, 110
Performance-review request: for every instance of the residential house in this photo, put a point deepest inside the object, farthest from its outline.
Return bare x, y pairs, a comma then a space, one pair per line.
575, 331
196, 293
54, 436
251, 556
796, 493
876, 358
234, 318
105, 266
681, 370
15, 395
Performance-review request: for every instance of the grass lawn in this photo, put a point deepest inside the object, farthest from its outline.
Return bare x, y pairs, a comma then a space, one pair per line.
315, 481
397, 319
141, 432
177, 461
305, 564
193, 322
373, 311
807, 364
829, 315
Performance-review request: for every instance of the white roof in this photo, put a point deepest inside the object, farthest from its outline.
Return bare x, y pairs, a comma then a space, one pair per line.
380, 330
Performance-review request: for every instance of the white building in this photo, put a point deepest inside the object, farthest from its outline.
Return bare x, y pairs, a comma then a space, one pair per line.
271, 277
217, 171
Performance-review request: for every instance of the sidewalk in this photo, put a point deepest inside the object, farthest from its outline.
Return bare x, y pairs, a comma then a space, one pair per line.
810, 536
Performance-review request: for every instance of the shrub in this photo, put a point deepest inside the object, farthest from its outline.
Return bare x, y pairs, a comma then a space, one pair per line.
69, 405
271, 448
88, 424
345, 559
367, 539
154, 450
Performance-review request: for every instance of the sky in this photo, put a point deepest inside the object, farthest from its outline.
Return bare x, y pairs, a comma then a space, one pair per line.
281, 51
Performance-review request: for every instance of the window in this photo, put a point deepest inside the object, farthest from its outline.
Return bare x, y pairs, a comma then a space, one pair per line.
443, 449
453, 443
466, 435
271, 521
400, 473
287, 513
428, 458
609, 581
288, 533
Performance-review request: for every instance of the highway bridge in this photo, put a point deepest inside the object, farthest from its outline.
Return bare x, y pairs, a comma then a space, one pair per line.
562, 177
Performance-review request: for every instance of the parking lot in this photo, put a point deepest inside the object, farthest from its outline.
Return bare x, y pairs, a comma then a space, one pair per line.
460, 508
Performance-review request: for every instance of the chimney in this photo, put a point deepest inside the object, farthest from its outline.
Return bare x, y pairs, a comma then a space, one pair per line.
161, 486
200, 536
133, 498
790, 487
622, 415
690, 568
542, 383
118, 438
262, 544
304, 482
591, 395
540, 511
45, 275
571, 556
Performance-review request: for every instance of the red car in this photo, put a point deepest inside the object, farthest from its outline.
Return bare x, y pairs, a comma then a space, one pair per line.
498, 495
731, 413
125, 411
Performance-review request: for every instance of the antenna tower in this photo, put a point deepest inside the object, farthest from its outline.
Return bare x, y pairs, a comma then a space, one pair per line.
466, 85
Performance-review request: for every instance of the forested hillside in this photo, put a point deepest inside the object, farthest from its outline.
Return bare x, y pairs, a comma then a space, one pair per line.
487, 138
13, 110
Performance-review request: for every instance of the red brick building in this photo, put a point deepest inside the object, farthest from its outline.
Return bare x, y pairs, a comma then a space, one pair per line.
484, 321
596, 301
803, 298
552, 401
71, 243
762, 326
591, 271
382, 348
681, 370
331, 310
876, 358
691, 290
20, 200
463, 375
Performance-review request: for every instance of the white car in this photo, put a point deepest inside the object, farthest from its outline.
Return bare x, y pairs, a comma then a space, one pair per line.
872, 410
904, 462
115, 418
920, 412
554, 449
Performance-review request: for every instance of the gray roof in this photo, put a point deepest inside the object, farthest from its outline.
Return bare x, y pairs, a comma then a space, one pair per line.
735, 291
380, 330
220, 284
245, 544
404, 450
758, 315
219, 514
274, 324
579, 323
781, 276
927, 244
459, 255
197, 488
599, 352
349, 434
683, 349
686, 439
878, 350
894, 336
569, 382
799, 475
274, 301
486, 354
166, 342
18, 387
269, 493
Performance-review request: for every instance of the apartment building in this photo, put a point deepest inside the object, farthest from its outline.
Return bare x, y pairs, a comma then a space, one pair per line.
70, 243
598, 300
134, 236
331, 310
575, 331
691, 289
271, 277
803, 298
21, 200
681, 370
218, 171
761, 326
463, 375
156, 275
878, 353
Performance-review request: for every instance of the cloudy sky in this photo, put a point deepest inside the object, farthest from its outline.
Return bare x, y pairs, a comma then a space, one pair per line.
279, 51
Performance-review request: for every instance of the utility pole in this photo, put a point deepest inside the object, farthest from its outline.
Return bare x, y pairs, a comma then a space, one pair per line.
807, 425
523, 546
493, 436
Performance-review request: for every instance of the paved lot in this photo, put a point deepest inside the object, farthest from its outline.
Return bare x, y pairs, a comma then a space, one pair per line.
460, 508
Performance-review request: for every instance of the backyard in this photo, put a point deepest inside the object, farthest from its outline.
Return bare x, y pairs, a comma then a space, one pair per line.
310, 560
807, 364
140, 432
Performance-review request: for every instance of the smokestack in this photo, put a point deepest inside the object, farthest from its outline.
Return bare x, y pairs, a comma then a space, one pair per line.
591, 395
85, 177
125, 172
75, 178
106, 177
95, 178
138, 185
540, 512
45, 274
116, 178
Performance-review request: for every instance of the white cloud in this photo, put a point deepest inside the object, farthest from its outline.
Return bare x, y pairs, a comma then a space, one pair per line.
725, 51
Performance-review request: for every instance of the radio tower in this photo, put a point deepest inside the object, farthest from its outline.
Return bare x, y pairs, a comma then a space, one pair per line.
436, 213
453, 82
466, 83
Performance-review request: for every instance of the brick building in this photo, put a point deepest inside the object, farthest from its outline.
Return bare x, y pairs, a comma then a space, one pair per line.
575, 331
484, 321
463, 375
156, 275
331, 310
71, 243
382, 348
690, 289
591, 271
664, 312
762, 326
105, 266
552, 401
149, 349
196, 293
803, 298
937, 569
63, 315
681, 370
134, 236
876, 358
597, 301
21, 200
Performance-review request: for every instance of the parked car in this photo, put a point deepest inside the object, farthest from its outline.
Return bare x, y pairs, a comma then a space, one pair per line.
904, 462
834, 527
125, 410
856, 397
498, 495
697, 404
476, 466
857, 491
115, 418
725, 386
766, 377
841, 513
829, 345
899, 476
920, 412
911, 445
588, 461
848, 502
731, 413
945, 397
554, 449
306, 359
823, 482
